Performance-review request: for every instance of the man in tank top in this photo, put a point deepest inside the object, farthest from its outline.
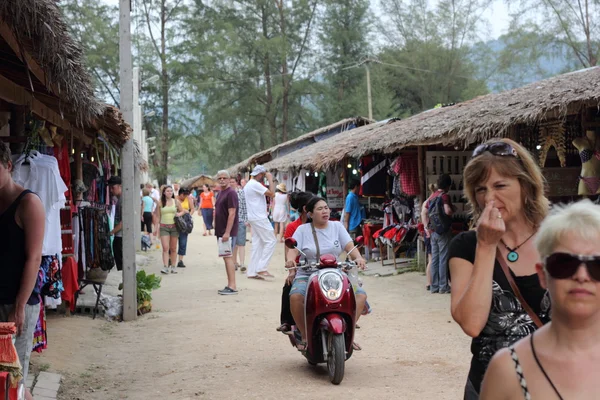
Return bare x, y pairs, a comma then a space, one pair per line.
22, 224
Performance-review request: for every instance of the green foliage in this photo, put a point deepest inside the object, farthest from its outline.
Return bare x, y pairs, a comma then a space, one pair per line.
145, 285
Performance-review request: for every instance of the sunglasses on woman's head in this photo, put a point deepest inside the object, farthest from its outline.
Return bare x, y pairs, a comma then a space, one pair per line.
565, 265
502, 149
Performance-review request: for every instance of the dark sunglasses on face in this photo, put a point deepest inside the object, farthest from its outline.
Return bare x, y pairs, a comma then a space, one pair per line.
565, 265
496, 148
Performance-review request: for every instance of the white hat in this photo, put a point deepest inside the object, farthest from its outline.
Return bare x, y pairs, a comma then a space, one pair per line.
259, 169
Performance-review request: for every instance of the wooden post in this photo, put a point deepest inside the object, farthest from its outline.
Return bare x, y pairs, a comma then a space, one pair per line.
130, 192
422, 197
421, 169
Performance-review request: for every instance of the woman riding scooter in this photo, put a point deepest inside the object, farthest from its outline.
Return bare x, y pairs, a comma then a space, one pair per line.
298, 201
333, 239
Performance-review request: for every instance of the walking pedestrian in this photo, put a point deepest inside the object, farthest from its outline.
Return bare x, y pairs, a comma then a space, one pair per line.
240, 243
207, 207
169, 208
281, 210
437, 220
563, 361
187, 204
226, 226
353, 211
147, 204
22, 222
263, 237
155, 194
505, 189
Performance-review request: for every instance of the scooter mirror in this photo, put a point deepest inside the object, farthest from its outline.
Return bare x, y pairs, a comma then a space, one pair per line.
291, 243
360, 240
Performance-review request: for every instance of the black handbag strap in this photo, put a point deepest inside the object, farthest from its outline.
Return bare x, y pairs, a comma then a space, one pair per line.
534, 317
314, 232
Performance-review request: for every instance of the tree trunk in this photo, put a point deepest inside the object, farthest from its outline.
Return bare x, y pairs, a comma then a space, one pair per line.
285, 79
269, 112
164, 148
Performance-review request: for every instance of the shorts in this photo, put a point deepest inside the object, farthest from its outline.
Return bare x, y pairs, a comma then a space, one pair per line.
233, 241
23, 343
427, 242
241, 238
300, 285
169, 230
147, 222
356, 232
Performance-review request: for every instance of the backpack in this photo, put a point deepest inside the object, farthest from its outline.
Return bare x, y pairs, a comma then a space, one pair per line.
439, 221
184, 224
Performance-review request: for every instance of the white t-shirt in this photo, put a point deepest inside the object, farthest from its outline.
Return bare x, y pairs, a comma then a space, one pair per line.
332, 240
42, 177
256, 202
156, 196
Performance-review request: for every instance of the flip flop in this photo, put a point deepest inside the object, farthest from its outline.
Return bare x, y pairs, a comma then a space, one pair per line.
301, 346
266, 274
356, 347
258, 277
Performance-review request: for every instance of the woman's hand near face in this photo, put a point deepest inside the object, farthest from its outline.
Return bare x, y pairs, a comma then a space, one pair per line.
490, 227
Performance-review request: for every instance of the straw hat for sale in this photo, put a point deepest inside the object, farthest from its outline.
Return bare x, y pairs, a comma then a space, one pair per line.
282, 188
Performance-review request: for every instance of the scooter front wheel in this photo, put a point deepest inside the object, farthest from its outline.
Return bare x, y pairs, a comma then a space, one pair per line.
336, 357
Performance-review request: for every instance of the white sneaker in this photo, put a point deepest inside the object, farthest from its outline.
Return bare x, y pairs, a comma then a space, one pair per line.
165, 271
173, 270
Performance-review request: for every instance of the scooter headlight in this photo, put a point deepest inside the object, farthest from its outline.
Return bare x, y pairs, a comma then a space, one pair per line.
331, 285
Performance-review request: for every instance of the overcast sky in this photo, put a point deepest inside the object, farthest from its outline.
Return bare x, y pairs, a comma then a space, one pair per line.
496, 14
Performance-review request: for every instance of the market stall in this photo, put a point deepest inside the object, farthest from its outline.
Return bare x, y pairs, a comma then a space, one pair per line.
65, 142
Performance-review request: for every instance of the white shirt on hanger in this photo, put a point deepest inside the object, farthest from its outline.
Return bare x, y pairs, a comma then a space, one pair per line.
42, 177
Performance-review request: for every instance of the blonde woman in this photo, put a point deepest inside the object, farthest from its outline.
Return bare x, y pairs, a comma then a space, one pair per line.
559, 361
505, 189
168, 208
281, 210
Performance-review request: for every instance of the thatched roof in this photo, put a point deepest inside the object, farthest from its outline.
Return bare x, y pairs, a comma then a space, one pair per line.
302, 141
462, 124
329, 151
197, 181
492, 115
39, 55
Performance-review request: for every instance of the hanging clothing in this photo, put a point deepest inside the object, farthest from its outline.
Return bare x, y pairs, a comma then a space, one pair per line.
40, 337
409, 174
301, 181
40, 174
373, 176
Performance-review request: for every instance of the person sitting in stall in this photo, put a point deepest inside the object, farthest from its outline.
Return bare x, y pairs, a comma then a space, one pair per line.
332, 239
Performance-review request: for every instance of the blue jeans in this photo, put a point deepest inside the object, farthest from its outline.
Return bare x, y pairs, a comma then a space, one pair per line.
439, 261
182, 243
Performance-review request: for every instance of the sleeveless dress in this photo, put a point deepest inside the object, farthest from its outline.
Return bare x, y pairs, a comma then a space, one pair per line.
280, 212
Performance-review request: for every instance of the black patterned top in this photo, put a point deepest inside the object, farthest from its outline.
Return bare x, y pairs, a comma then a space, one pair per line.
508, 321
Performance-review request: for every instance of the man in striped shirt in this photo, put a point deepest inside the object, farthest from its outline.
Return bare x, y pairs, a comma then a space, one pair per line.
240, 245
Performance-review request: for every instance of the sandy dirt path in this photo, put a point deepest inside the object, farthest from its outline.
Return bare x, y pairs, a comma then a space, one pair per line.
197, 344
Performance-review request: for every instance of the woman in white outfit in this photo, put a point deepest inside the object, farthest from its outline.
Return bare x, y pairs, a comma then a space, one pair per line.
281, 210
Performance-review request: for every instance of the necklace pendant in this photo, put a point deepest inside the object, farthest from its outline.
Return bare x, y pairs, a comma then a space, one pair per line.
512, 256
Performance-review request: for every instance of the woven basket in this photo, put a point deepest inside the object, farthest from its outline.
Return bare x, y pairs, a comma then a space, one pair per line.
96, 275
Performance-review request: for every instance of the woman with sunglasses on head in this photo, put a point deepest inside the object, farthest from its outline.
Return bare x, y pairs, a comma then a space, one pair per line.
496, 294
559, 361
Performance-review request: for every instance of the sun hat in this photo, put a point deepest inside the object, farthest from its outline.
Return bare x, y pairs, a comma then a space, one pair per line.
259, 169
282, 188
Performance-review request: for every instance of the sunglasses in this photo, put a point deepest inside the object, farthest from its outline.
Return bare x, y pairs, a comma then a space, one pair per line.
565, 265
501, 149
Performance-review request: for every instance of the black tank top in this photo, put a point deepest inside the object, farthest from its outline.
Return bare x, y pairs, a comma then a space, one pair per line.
12, 252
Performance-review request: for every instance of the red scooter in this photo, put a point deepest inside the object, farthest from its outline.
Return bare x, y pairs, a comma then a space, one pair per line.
330, 310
